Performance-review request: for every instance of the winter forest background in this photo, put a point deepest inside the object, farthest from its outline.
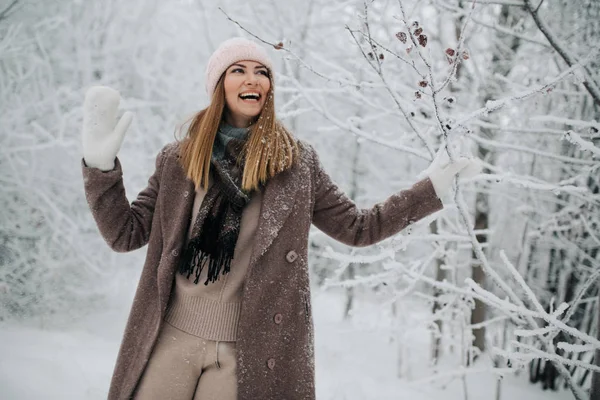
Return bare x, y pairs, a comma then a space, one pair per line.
495, 297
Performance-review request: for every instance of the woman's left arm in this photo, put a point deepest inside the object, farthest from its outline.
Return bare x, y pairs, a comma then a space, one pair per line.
337, 215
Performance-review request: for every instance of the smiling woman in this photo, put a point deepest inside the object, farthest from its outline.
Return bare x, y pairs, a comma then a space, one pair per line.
268, 146
247, 84
223, 307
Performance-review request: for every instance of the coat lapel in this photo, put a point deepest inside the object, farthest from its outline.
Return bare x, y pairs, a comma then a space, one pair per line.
277, 203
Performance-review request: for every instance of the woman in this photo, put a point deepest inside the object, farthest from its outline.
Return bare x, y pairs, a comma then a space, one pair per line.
222, 310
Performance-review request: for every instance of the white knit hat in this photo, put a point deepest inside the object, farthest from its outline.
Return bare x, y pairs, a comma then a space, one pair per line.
229, 52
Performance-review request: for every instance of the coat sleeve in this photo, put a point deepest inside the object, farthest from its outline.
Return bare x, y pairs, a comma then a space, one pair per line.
337, 215
125, 227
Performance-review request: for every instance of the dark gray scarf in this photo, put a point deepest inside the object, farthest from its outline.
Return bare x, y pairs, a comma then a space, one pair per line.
217, 225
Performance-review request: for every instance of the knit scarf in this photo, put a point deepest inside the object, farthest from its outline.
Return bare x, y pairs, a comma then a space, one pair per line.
217, 224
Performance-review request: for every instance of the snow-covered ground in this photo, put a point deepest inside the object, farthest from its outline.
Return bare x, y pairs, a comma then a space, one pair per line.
355, 360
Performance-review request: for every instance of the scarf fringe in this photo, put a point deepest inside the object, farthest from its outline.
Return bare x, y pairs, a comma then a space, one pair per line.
196, 258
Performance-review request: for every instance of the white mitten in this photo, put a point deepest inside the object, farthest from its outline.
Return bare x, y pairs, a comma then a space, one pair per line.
441, 172
102, 135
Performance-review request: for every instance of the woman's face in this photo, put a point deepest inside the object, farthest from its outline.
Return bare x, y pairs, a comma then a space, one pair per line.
247, 85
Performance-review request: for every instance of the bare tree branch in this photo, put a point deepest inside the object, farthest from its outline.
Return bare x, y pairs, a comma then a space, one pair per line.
481, 21
589, 83
4, 13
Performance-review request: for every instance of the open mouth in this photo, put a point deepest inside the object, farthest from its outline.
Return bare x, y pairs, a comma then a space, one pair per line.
250, 97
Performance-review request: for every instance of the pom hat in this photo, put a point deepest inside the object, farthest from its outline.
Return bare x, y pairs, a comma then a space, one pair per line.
229, 52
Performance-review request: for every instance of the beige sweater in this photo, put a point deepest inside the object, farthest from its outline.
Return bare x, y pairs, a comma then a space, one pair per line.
212, 311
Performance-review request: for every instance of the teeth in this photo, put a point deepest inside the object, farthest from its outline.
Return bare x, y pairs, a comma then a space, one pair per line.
250, 96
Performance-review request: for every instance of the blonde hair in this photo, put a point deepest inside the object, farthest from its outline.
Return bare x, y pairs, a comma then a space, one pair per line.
269, 150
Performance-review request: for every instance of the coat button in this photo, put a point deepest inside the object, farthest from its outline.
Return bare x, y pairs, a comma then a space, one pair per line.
175, 252
278, 318
271, 363
186, 193
291, 256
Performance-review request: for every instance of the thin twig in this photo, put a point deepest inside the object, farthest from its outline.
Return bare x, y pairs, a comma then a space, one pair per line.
457, 56
290, 52
398, 105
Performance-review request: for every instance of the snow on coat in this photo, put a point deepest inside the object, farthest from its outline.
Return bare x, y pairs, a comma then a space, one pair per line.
275, 359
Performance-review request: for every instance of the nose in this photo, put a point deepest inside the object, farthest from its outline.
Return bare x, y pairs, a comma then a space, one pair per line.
251, 79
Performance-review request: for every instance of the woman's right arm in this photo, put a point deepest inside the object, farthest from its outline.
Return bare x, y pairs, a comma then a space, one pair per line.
124, 226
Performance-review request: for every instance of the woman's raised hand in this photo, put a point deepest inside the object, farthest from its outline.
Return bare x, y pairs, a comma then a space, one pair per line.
441, 171
102, 135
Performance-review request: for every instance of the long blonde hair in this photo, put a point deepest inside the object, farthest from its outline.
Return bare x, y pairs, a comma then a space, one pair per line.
269, 150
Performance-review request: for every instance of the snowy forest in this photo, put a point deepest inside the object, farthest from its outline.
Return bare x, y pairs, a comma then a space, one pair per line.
493, 297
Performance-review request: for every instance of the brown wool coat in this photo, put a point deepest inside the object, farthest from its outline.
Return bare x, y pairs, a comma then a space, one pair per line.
275, 359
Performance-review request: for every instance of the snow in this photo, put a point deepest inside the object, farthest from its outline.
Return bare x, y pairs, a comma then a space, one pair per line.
38, 364
355, 359
574, 138
524, 112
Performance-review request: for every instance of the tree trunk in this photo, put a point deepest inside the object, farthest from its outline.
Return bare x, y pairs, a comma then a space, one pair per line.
501, 64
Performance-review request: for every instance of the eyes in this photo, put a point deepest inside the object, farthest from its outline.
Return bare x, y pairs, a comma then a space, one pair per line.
260, 71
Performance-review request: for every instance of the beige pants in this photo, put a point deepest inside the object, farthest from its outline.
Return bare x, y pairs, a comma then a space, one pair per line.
186, 367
